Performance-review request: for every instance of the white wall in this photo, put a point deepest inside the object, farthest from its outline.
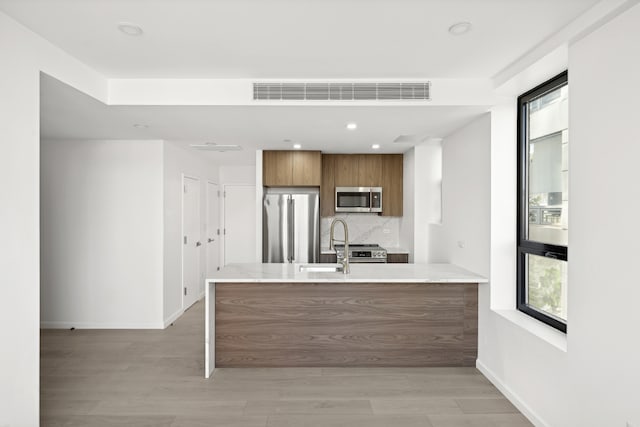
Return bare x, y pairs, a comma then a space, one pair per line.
591, 376
421, 201
407, 222
464, 235
101, 234
23, 55
179, 161
478, 233
112, 232
604, 341
523, 357
245, 175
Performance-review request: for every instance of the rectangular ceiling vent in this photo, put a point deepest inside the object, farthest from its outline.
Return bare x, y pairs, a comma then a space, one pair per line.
342, 91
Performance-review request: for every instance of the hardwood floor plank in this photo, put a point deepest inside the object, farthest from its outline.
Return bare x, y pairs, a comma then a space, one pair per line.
497, 420
347, 421
52, 408
432, 406
264, 373
109, 421
486, 406
174, 407
220, 420
271, 407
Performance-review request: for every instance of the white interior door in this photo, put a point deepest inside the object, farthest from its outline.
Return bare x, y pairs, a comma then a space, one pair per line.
213, 229
239, 223
191, 241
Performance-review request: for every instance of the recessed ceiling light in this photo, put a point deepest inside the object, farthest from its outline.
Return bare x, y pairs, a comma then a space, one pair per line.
352, 126
130, 29
140, 126
460, 28
297, 146
375, 146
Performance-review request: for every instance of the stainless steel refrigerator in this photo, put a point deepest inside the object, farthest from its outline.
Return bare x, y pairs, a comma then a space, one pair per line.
291, 225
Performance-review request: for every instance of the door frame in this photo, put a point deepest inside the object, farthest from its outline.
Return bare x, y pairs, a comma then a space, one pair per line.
182, 182
219, 236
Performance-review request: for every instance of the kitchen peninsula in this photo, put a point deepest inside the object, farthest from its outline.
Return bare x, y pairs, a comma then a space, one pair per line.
278, 315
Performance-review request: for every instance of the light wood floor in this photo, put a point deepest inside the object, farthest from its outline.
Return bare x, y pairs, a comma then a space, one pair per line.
156, 378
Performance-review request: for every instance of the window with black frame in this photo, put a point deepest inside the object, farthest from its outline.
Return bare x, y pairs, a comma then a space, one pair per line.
543, 197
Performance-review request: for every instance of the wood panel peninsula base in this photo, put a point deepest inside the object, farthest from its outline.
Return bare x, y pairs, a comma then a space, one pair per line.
272, 315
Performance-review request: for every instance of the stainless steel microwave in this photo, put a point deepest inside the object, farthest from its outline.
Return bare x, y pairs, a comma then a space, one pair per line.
358, 199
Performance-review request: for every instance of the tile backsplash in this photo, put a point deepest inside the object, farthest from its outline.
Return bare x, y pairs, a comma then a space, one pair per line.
363, 228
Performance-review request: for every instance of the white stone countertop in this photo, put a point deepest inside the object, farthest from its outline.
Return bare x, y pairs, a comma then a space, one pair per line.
396, 250
360, 273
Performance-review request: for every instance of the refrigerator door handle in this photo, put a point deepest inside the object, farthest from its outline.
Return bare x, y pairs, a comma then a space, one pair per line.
288, 228
292, 230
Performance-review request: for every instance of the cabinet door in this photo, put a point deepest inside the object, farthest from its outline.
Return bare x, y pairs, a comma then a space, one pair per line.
397, 258
307, 168
346, 170
392, 184
328, 258
369, 170
328, 186
277, 168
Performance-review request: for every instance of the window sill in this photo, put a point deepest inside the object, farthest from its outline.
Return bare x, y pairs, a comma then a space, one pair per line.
536, 328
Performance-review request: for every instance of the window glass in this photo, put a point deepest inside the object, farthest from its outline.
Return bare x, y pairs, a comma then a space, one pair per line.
548, 168
547, 290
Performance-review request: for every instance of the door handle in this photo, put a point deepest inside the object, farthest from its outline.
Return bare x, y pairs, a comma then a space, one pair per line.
293, 229
198, 244
209, 240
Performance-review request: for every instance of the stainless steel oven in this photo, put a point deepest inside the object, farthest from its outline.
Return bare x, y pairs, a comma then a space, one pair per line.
358, 199
361, 253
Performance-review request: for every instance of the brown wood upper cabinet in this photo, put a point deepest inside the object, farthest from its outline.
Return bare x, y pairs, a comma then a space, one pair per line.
370, 170
392, 172
328, 186
358, 170
346, 170
291, 168
362, 170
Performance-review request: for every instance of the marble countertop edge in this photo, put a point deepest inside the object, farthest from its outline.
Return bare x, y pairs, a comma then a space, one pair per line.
360, 273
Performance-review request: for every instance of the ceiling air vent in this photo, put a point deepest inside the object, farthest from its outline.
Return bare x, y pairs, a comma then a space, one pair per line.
342, 91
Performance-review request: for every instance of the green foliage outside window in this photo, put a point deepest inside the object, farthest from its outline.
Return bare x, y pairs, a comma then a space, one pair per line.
546, 278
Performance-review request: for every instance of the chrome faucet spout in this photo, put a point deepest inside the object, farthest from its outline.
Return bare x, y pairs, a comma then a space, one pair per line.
332, 240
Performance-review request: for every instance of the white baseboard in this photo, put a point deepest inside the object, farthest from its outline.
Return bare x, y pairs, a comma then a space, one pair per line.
513, 397
98, 325
169, 320
111, 325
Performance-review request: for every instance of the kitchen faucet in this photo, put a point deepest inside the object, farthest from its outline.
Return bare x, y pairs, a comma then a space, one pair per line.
332, 240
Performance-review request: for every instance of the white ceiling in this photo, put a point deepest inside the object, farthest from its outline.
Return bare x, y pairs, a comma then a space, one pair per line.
296, 38
279, 39
67, 113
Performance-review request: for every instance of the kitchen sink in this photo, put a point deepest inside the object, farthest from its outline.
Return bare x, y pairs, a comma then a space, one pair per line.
321, 268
